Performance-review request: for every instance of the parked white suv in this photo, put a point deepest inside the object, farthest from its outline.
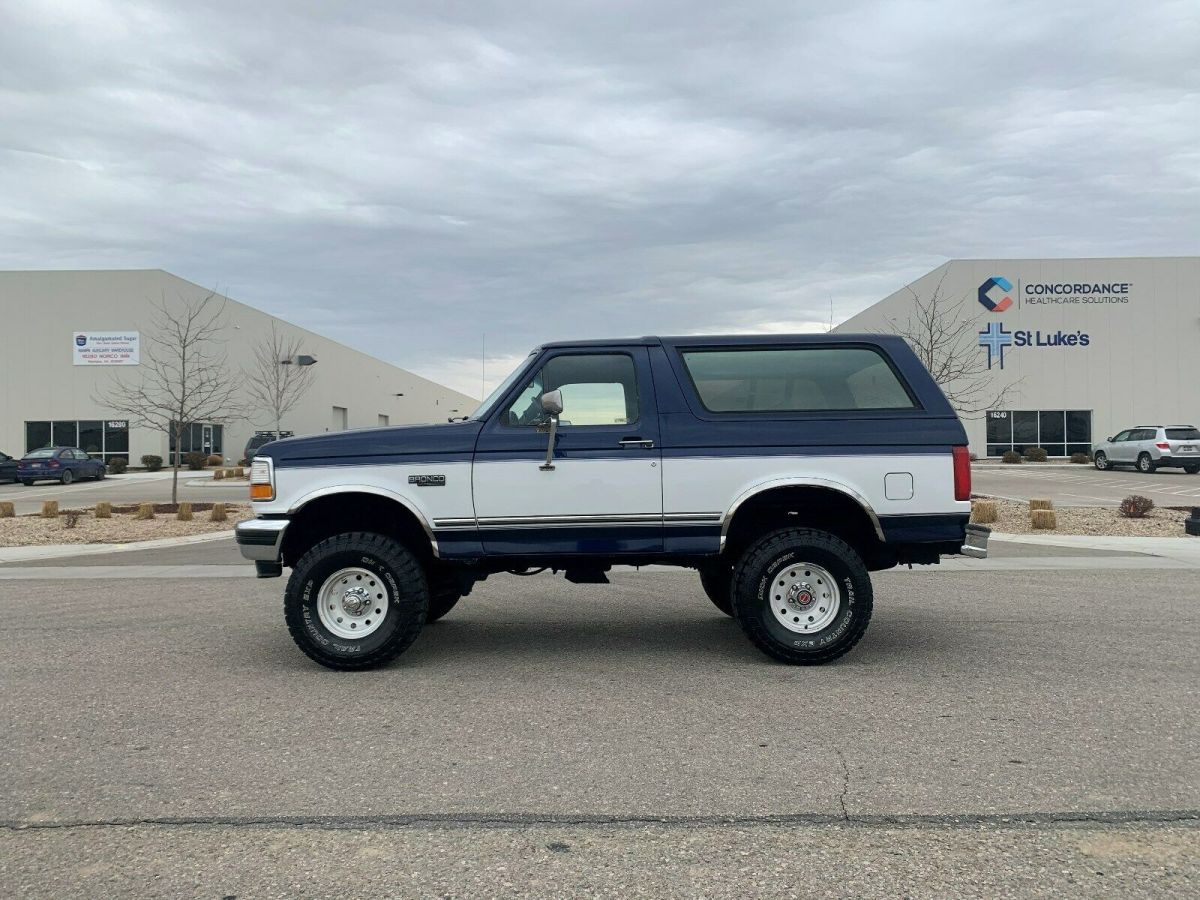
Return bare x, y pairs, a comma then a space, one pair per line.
1148, 447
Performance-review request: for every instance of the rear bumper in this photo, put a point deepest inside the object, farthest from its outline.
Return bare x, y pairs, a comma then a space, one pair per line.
261, 539
1178, 461
976, 542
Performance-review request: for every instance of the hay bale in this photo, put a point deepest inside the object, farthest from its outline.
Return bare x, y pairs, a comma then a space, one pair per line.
218, 513
984, 512
7, 511
103, 510
1041, 504
218, 474
185, 512
49, 509
1043, 519
239, 472
144, 511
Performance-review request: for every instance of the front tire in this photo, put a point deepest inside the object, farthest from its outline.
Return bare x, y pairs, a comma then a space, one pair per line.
717, 581
1100, 460
802, 596
356, 601
1145, 464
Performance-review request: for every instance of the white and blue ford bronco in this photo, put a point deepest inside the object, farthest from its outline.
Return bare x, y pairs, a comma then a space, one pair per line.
782, 469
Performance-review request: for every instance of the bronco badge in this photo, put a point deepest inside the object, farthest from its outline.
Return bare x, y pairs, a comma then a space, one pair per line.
427, 480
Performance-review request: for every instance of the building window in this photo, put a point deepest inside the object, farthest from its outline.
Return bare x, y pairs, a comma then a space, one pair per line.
198, 437
1057, 431
383, 421
99, 439
340, 419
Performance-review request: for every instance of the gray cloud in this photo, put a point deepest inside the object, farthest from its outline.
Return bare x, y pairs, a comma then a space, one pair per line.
405, 180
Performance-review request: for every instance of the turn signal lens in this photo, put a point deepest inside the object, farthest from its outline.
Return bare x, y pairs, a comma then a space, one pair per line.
262, 479
962, 473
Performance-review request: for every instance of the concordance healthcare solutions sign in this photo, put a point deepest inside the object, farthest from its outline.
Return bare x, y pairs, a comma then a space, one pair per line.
106, 348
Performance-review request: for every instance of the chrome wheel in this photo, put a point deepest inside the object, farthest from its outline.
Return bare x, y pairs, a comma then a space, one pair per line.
352, 603
1101, 461
805, 598
1144, 463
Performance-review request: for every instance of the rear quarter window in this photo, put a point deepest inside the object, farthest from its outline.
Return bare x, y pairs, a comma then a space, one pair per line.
795, 379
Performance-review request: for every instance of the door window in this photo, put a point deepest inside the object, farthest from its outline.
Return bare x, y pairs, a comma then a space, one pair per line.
597, 389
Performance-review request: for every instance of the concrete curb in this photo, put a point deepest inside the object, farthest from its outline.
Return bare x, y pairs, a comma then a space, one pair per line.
55, 551
1181, 548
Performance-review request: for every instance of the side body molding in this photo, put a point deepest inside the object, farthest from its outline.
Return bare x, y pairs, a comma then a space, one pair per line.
800, 481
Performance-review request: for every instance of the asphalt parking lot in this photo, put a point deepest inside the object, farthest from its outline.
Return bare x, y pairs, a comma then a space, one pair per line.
133, 487
1025, 730
1079, 485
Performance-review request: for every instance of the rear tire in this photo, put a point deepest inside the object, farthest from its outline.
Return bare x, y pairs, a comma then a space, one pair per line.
28, 482
1191, 470
67, 476
717, 581
1145, 464
329, 587
800, 578
1100, 460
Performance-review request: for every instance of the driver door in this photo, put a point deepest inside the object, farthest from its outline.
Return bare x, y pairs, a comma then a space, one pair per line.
604, 492
1120, 451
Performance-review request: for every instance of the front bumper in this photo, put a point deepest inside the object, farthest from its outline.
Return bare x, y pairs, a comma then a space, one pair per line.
975, 544
261, 539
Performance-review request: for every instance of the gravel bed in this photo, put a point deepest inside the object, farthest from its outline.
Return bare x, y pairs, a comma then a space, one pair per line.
122, 528
1090, 520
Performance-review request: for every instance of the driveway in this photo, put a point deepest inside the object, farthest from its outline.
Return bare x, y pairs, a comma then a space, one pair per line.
1031, 730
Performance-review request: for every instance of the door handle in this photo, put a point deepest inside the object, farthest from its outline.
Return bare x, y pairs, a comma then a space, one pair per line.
636, 442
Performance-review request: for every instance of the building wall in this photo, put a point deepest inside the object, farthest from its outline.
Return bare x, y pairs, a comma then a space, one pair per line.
40, 312
1142, 337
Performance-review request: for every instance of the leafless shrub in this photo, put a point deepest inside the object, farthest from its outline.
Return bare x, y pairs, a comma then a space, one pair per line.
1135, 506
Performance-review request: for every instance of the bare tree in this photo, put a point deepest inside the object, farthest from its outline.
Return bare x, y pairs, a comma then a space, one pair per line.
183, 378
945, 340
277, 381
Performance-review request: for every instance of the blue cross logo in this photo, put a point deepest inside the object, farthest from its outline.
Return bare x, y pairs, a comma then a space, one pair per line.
994, 339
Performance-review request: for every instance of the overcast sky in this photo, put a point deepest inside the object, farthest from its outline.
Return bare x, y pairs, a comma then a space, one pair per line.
405, 177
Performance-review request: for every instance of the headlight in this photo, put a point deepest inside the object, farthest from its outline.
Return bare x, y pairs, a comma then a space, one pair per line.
262, 479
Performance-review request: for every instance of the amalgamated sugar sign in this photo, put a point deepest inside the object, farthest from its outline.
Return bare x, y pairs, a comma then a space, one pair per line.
106, 348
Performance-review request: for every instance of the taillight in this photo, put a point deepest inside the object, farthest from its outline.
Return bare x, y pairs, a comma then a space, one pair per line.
962, 473
1162, 445
53, 464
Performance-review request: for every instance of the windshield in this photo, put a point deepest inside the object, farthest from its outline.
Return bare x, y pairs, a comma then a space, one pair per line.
482, 409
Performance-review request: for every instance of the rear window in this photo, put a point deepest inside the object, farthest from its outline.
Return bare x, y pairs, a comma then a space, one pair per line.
795, 379
1183, 434
39, 454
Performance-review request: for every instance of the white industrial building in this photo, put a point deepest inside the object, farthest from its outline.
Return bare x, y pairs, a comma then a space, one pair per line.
66, 335
1075, 349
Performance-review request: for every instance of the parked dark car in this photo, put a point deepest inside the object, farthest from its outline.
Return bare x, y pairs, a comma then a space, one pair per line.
261, 439
8, 468
65, 464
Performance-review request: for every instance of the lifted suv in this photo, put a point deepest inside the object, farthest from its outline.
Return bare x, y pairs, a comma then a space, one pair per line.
782, 469
1149, 446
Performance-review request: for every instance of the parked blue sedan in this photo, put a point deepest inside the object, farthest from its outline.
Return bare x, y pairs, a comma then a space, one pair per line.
65, 464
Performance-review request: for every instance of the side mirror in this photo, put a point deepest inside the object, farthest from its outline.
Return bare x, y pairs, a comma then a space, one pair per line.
553, 406
552, 403
1108, 440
